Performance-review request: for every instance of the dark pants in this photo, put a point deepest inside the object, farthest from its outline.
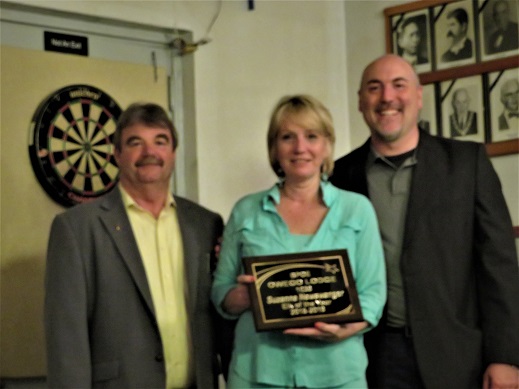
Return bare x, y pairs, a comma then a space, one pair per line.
394, 364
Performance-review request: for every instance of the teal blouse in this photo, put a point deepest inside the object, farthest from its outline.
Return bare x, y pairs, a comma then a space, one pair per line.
255, 228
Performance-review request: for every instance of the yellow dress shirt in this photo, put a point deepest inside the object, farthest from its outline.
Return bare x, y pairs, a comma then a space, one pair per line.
160, 246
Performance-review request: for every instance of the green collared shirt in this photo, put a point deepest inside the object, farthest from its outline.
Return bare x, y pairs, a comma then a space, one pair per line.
256, 228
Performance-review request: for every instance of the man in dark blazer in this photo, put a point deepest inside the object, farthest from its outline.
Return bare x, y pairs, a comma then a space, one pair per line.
452, 316
106, 325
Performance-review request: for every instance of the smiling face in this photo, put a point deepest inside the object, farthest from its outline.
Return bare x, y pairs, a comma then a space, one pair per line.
301, 149
390, 99
146, 156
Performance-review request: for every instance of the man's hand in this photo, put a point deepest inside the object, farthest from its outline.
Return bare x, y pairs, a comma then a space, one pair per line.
501, 376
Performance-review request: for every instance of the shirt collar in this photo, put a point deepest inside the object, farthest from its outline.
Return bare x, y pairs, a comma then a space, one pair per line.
129, 202
375, 156
273, 195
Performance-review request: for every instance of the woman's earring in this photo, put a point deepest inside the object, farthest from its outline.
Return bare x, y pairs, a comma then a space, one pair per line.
324, 176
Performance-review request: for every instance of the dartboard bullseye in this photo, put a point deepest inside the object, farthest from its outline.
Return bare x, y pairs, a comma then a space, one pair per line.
70, 144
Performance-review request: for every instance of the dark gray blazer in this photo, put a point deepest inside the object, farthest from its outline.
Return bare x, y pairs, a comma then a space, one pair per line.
100, 323
459, 261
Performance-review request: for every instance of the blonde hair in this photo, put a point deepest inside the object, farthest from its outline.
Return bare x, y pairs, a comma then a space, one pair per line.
303, 109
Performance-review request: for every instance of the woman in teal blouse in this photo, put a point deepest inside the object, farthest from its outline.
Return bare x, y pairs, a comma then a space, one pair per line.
301, 213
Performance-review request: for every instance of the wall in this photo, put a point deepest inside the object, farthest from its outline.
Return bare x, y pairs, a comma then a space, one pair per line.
361, 49
283, 48
254, 58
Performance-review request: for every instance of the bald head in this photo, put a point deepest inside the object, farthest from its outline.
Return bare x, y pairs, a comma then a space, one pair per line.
384, 63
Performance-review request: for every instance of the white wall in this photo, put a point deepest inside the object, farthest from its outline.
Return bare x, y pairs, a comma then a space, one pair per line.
255, 57
281, 47
365, 41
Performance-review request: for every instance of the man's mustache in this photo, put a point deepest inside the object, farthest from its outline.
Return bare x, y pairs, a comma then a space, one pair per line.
149, 160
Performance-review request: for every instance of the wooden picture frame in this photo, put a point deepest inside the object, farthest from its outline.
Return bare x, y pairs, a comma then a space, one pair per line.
483, 71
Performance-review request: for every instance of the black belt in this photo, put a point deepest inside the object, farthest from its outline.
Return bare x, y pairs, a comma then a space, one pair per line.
405, 330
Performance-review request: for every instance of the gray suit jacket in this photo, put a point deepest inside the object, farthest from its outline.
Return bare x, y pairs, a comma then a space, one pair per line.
459, 262
101, 328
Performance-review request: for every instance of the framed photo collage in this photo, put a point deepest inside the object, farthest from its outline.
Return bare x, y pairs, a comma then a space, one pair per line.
466, 53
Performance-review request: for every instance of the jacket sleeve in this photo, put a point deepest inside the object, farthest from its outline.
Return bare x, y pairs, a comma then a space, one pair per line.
66, 317
497, 267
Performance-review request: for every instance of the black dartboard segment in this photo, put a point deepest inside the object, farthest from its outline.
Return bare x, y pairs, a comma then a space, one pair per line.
70, 144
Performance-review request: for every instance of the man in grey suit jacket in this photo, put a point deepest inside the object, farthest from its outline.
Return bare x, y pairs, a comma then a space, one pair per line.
128, 276
452, 316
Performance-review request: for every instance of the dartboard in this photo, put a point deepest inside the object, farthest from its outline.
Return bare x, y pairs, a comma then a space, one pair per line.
70, 144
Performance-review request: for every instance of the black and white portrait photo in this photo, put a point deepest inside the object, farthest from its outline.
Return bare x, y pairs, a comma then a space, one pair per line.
454, 33
411, 39
504, 104
427, 118
500, 33
462, 109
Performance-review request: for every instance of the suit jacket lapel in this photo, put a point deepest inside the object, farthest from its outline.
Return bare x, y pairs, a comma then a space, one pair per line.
424, 185
119, 229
